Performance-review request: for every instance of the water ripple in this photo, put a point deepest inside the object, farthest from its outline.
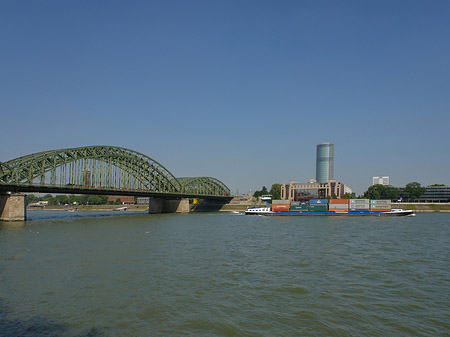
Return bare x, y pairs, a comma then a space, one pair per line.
222, 275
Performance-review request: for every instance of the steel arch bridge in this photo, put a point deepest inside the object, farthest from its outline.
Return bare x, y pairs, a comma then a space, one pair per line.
102, 170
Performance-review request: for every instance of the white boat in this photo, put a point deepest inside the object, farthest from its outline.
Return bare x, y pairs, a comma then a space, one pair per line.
259, 211
400, 212
120, 209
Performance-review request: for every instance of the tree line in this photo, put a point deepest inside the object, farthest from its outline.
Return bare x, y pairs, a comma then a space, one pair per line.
411, 191
275, 192
62, 199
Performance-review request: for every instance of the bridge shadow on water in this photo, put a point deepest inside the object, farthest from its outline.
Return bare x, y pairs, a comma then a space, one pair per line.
208, 206
38, 326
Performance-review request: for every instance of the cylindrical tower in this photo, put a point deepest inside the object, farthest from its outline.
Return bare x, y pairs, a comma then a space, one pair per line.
325, 162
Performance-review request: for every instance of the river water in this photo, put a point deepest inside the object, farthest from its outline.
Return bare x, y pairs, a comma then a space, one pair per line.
222, 274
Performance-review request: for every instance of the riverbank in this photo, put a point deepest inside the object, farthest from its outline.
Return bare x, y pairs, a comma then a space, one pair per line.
416, 207
134, 208
423, 207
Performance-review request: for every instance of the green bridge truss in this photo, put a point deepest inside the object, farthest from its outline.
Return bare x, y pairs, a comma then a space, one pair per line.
100, 168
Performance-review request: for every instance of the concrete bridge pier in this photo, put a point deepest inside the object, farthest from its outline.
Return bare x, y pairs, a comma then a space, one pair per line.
162, 205
12, 207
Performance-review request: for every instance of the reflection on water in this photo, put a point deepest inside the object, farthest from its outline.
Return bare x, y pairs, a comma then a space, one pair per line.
224, 274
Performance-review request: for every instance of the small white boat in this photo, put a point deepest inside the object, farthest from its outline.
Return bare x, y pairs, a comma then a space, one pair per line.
400, 212
120, 209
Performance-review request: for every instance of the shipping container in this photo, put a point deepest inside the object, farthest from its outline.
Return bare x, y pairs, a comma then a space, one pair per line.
359, 206
281, 202
339, 201
380, 205
380, 201
359, 210
280, 208
318, 207
318, 201
384, 204
339, 210
340, 206
299, 207
359, 201
296, 203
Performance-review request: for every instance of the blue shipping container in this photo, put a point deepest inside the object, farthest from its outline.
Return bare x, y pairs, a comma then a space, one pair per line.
318, 201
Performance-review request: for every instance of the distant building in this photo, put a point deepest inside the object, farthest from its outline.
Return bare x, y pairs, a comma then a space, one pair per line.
347, 190
381, 181
432, 194
295, 191
38, 204
143, 201
123, 199
325, 162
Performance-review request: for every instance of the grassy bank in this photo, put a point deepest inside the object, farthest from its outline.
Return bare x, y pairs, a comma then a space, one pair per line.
423, 207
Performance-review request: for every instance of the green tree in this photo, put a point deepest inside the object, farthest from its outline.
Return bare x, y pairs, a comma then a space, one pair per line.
72, 198
413, 190
373, 192
97, 199
61, 199
263, 191
381, 192
49, 198
349, 196
83, 199
275, 191
31, 198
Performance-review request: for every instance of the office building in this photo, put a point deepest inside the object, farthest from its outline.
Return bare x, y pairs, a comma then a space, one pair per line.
433, 193
380, 181
295, 191
325, 163
123, 199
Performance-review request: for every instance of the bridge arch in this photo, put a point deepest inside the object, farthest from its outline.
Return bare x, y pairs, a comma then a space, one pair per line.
102, 167
204, 185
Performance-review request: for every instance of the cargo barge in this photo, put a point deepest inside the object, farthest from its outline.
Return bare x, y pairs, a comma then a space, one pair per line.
325, 207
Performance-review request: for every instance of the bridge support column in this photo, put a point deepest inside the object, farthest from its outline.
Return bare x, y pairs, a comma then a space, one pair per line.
155, 205
162, 205
12, 207
183, 206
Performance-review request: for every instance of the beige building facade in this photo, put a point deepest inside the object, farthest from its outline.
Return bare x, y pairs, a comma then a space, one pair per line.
295, 191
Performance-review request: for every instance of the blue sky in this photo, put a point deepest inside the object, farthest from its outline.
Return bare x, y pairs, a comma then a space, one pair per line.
239, 90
